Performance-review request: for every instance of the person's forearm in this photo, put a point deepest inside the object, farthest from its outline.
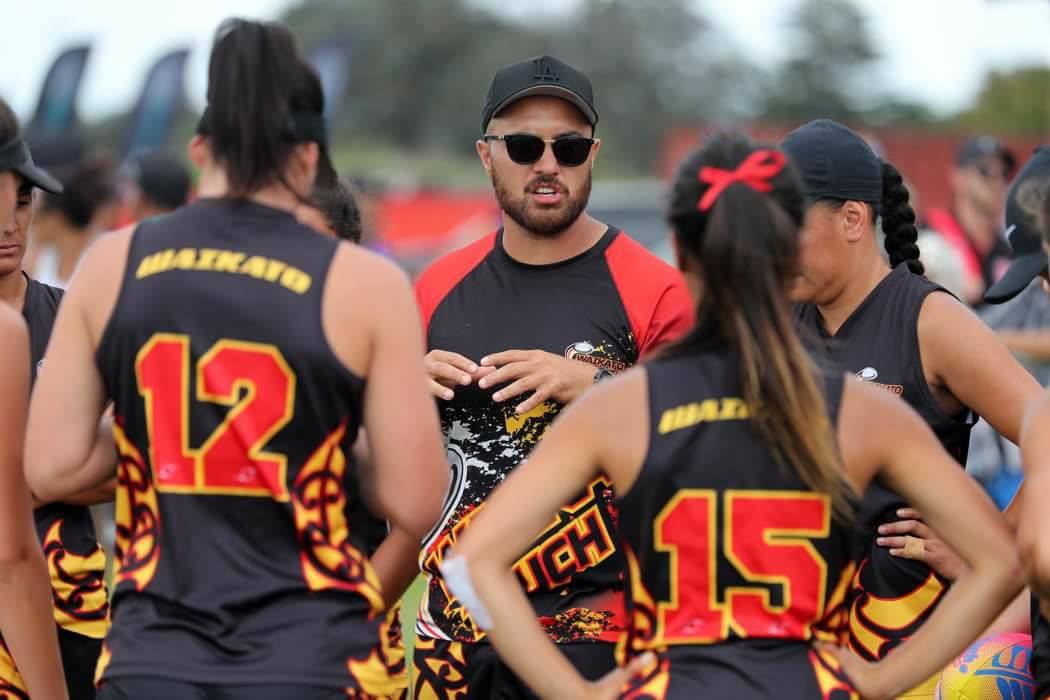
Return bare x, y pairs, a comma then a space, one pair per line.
969, 607
396, 563
519, 638
79, 482
1033, 344
1016, 618
28, 627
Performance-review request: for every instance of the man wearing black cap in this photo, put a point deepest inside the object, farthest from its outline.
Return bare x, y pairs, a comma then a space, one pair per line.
972, 227
519, 324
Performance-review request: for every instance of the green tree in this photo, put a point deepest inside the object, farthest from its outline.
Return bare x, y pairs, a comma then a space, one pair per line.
832, 52
420, 69
1012, 102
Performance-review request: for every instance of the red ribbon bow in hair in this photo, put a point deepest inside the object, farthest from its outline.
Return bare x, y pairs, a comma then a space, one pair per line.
756, 171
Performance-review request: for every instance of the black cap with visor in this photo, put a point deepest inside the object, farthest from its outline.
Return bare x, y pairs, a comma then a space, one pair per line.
1022, 228
15, 156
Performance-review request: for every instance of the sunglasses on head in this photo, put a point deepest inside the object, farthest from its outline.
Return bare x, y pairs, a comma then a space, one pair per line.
525, 149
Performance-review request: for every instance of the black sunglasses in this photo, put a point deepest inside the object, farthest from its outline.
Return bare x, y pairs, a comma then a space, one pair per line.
526, 149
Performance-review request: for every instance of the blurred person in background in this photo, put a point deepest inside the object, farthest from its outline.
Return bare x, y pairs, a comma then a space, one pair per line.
943, 265
1028, 212
973, 224
65, 224
153, 182
1019, 311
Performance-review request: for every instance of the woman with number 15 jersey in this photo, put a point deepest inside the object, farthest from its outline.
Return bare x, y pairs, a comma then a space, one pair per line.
735, 462
243, 352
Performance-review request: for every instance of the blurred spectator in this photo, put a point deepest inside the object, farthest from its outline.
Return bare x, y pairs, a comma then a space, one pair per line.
1023, 321
943, 264
368, 193
983, 168
65, 224
154, 182
993, 460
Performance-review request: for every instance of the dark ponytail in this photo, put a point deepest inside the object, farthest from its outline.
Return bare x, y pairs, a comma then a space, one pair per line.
745, 245
898, 221
257, 85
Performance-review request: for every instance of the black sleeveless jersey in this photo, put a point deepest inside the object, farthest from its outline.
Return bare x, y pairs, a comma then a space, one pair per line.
890, 597
607, 306
734, 563
239, 556
75, 560
879, 343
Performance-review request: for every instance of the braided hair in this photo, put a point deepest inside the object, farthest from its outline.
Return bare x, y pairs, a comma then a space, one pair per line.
898, 221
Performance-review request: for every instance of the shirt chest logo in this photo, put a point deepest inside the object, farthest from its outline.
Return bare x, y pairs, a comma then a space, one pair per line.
870, 374
599, 356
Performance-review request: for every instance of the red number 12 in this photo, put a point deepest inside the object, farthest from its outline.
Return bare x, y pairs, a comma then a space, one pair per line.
231, 460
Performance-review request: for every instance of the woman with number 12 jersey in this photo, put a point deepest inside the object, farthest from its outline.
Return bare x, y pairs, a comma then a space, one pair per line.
736, 464
243, 352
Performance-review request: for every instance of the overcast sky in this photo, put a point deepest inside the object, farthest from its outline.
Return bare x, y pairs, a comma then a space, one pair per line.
937, 51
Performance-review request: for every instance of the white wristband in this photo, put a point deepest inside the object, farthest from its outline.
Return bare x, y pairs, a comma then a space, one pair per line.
457, 578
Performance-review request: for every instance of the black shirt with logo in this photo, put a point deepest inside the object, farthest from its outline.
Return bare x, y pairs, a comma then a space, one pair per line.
879, 343
607, 306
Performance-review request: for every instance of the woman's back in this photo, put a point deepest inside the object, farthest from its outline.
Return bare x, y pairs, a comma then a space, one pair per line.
235, 426
727, 545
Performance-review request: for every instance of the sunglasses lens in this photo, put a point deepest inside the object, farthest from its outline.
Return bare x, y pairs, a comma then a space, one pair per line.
572, 150
524, 148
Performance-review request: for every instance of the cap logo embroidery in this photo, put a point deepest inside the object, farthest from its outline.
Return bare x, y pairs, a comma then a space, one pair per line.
544, 72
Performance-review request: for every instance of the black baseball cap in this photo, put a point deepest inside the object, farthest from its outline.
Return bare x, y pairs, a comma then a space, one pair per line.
1022, 228
15, 155
542, 75
835, 162
979, 148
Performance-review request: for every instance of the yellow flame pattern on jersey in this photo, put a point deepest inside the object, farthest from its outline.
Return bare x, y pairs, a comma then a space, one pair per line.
137, 516
79, 591
327, 557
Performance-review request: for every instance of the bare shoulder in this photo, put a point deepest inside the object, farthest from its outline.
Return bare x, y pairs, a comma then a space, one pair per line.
356, 270
99, 276
942, 315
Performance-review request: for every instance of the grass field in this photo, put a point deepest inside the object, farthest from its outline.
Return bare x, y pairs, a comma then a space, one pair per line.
409, 606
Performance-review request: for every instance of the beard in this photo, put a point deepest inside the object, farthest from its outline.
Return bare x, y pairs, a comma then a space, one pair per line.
547, 222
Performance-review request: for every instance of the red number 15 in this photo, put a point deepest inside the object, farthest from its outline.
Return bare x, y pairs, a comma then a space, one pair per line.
766, 537
231, 460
